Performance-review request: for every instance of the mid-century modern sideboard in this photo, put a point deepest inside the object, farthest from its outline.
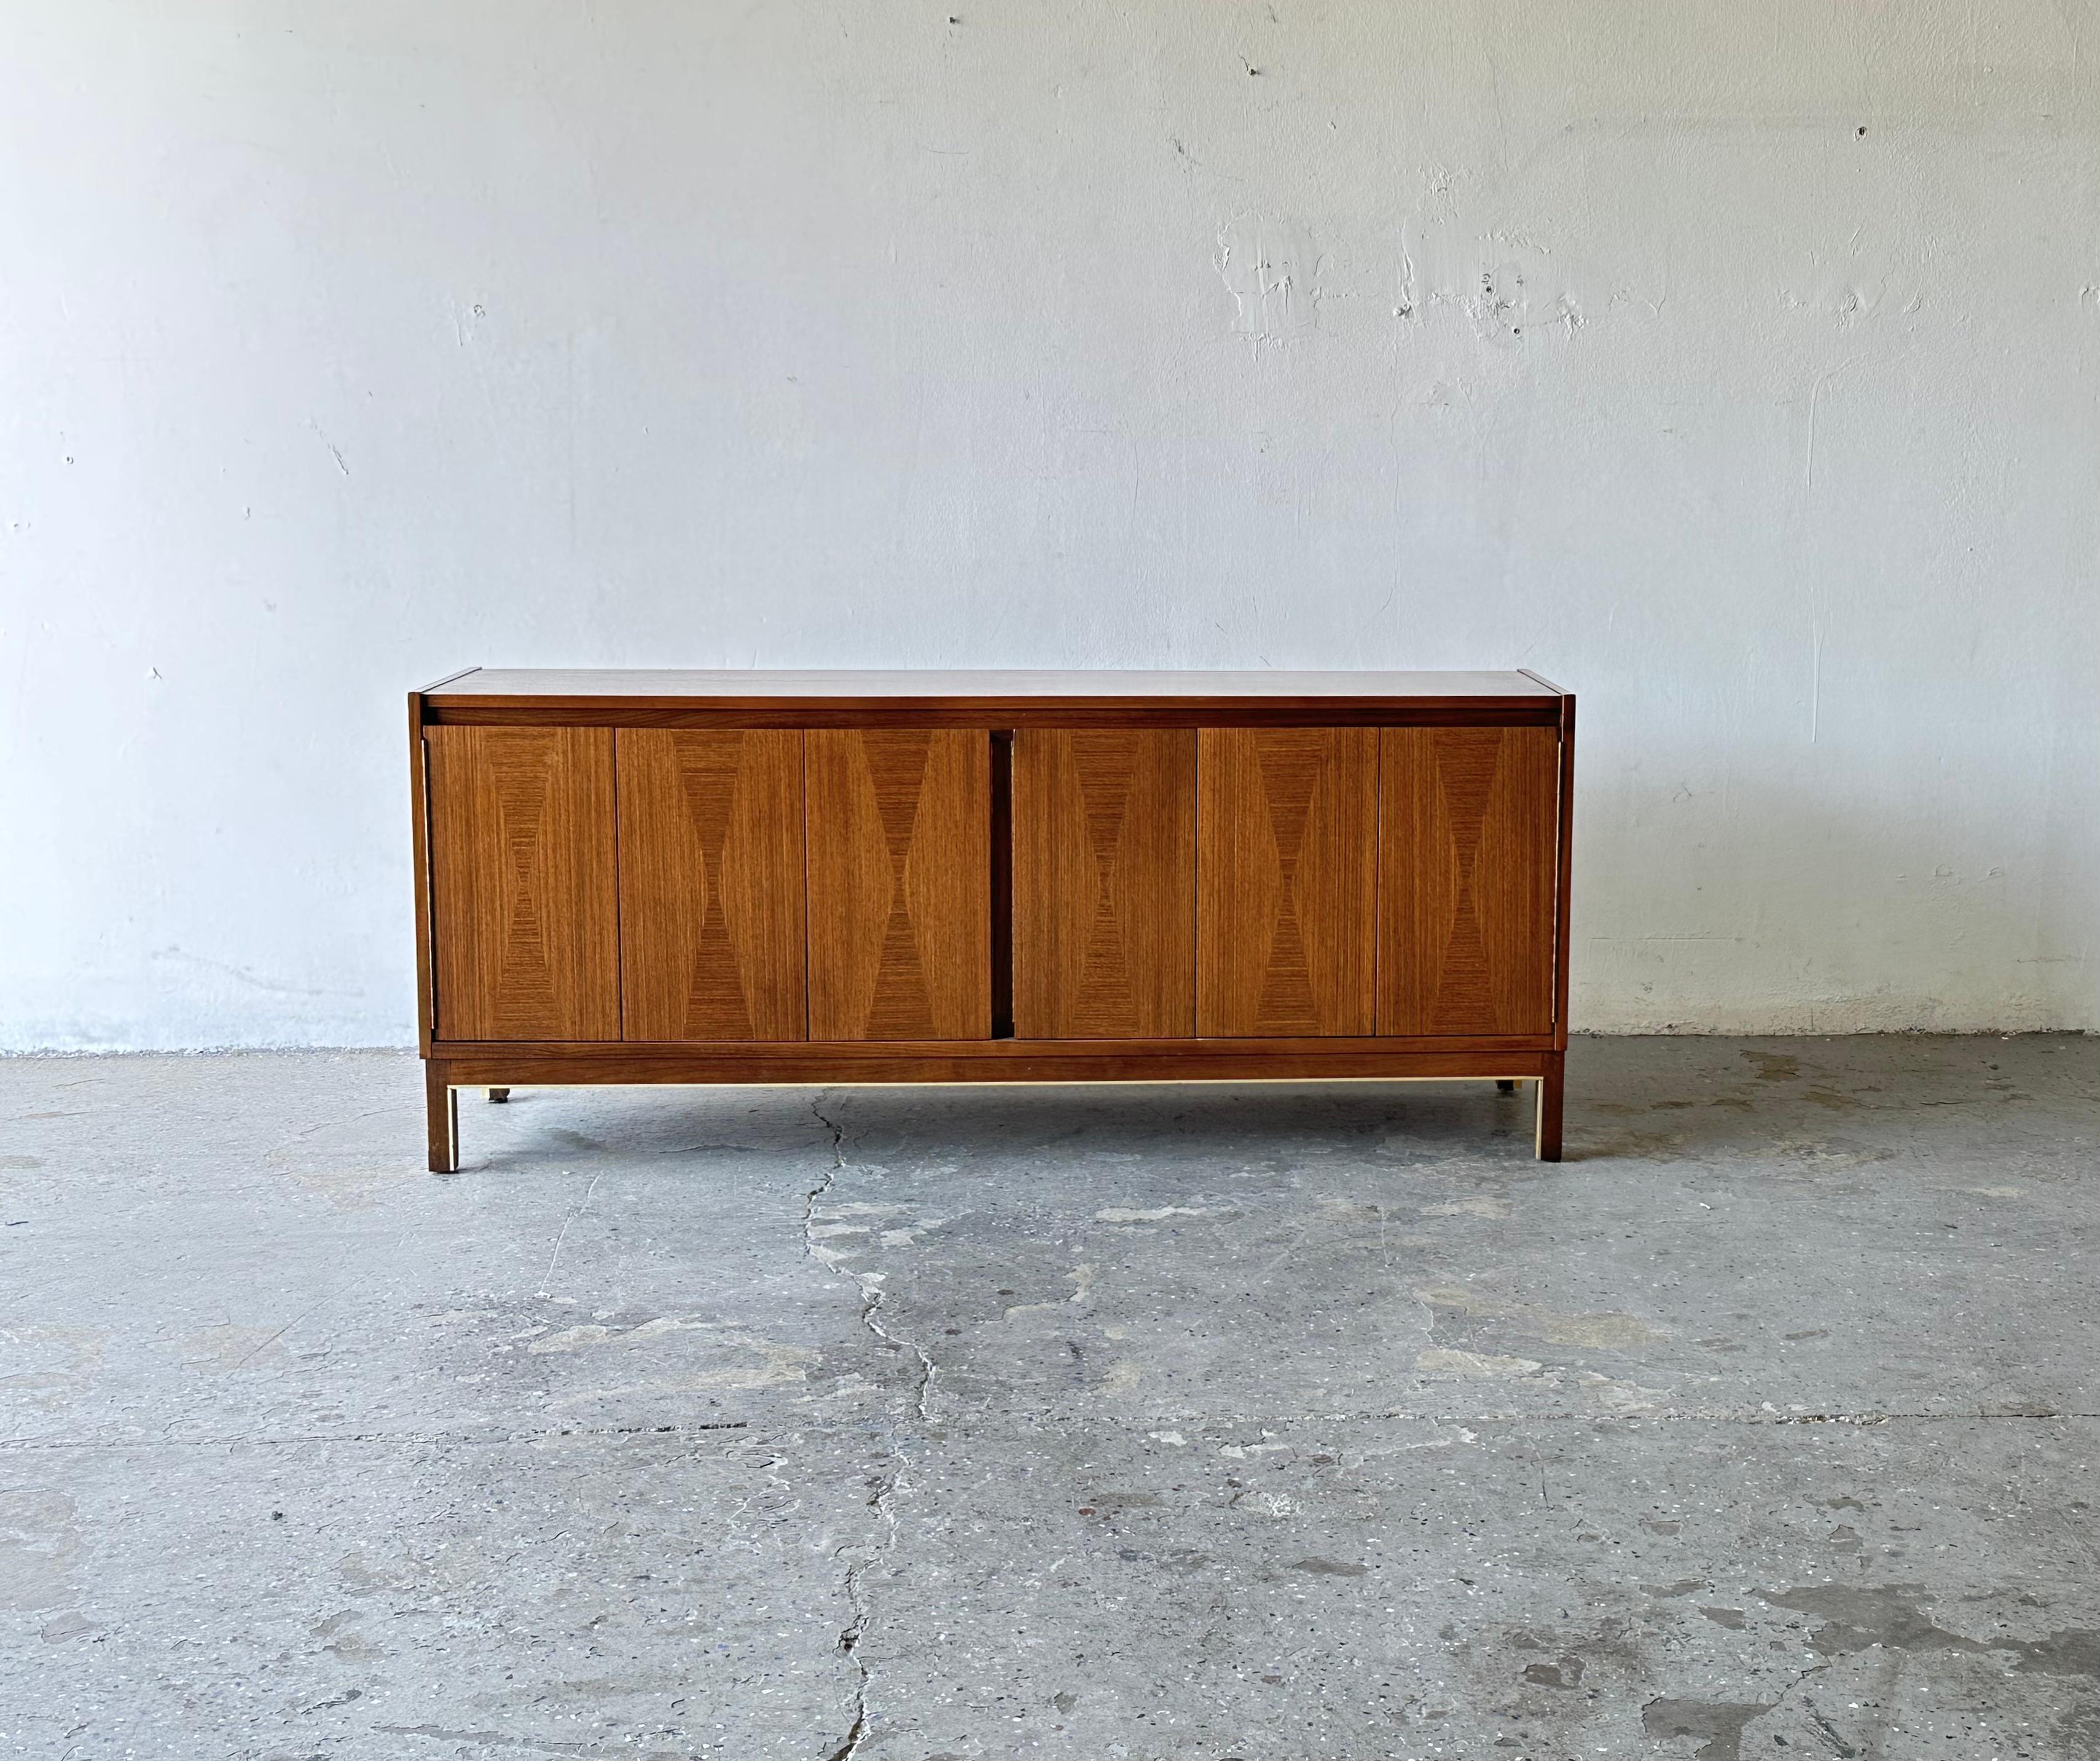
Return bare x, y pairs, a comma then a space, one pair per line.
879, 877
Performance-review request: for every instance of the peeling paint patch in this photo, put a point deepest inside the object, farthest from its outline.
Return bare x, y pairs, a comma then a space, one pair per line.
1123, 1375
228, 1348
908, 1235
1606, 1329
1496, 1209
578, 1337
1082, 1282
63, 1360
767, 1363
40, 1547
1273, 268
1474, 1366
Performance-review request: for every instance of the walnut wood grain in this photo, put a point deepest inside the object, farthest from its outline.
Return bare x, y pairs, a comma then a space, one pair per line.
1287, 879
1467, 879
1103, 883
711, 884
899, 882
524, 902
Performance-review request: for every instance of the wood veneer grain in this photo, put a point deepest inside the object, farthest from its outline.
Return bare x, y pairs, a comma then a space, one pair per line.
524, 902
1103, 883
899, 882
711, 884
1287, 876
1466, 880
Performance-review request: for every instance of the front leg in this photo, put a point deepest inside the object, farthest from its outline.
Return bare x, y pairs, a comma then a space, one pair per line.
441, 1116
1548, 1141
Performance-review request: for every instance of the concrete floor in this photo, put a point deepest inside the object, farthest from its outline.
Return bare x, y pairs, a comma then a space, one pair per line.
1277, 1423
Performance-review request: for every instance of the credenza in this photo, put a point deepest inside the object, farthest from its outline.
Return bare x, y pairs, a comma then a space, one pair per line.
882, 877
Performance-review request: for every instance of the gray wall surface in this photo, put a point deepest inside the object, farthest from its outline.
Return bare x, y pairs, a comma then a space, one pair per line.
1738, 367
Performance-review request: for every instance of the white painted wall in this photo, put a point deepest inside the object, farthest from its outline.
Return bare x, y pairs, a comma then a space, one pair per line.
1737, 365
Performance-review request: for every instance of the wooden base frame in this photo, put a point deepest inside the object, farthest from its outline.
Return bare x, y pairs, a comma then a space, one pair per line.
499, 1067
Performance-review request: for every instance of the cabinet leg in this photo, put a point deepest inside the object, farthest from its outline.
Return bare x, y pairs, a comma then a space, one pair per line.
441, 1113
497, 1097
1548, 1141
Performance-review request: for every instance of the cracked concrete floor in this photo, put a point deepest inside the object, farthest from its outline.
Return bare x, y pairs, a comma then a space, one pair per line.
1271, 1423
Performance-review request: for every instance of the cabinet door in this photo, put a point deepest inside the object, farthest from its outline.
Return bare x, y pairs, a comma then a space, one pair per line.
900, 883
1465, 881
711, 884
1103, 883
525, 931
1287, 880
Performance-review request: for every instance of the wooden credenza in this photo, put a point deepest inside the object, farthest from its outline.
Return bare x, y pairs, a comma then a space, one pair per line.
857, 878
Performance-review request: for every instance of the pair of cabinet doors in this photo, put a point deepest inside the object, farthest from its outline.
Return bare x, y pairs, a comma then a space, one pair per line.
669, 884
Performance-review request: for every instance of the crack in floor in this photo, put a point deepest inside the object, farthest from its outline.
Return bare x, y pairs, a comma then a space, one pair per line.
886, 1486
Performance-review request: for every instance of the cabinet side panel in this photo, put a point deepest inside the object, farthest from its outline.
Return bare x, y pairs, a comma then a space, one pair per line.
420, 858
1103, 883
899, 841
1468, 820
711, 932
524, 898
1287, 875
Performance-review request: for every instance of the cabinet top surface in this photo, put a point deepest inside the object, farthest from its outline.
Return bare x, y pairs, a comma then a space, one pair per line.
726, 687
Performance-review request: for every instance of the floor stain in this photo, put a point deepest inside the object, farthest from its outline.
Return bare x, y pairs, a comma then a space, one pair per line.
1327, 1568
1855, 1619
2074, 1651
1774, 1067
1720, 1723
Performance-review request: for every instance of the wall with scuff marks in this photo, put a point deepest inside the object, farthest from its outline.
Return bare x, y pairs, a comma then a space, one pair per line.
1738, 366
